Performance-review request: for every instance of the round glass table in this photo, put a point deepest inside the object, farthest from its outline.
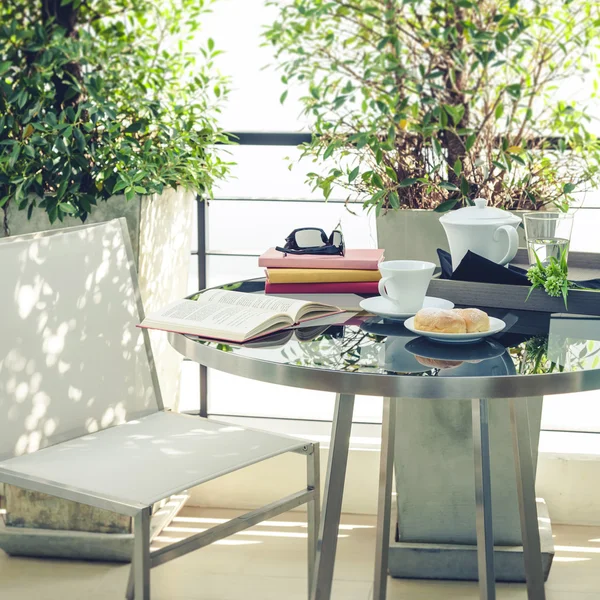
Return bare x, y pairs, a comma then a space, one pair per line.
355, 353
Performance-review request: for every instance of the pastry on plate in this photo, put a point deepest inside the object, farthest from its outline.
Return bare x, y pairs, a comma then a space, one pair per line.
440, 320
437, 363
456, 320
475, 319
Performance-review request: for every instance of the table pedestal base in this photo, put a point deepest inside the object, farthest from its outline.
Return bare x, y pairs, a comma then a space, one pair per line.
412, 560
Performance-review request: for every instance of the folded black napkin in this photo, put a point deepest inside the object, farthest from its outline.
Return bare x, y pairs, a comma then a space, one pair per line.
477, 269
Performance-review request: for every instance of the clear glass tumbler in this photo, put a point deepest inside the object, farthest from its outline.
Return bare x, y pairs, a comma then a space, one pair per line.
548, 235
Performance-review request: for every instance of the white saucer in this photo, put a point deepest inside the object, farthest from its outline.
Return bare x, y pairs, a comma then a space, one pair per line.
496, 325
383, 307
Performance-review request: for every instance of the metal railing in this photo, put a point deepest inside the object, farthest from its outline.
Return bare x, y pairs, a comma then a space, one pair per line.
202, 253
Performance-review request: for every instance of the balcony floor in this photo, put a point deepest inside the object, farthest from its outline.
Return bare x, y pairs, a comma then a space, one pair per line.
269, 563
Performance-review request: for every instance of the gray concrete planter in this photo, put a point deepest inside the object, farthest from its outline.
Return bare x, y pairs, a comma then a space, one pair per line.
435, 486
161, 235
434, 453
411, 234
416, 234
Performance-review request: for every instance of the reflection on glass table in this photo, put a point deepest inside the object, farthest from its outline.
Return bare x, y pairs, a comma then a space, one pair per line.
533, 343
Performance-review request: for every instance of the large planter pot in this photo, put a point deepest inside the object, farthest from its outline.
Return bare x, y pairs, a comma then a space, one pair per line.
416, 234
411, 234
160, 228
436, 513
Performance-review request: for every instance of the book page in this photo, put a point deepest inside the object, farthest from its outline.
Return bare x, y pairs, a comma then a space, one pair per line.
272, 304
215, 318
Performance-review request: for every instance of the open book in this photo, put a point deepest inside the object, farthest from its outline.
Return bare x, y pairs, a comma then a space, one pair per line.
234, 316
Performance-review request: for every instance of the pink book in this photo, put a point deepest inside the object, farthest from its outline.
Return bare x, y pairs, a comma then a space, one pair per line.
356, 287
367, 259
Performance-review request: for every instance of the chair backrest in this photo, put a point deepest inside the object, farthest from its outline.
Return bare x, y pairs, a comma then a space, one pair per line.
72, 360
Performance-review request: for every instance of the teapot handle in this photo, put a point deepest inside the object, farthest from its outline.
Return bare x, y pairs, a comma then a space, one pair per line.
513, 242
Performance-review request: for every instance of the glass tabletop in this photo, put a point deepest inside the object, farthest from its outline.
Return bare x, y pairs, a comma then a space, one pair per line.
533, 344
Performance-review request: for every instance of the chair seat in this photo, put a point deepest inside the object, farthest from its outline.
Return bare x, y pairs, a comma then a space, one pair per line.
144, 461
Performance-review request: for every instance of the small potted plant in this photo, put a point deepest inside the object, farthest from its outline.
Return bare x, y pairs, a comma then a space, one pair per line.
424, 106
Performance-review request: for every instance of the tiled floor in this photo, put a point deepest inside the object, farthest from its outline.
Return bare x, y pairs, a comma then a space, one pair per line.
269, 563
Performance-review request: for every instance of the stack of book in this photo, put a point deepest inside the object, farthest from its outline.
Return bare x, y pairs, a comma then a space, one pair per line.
354, 273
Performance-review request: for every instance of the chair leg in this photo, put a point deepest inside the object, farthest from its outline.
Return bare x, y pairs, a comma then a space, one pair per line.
138, 587
313, 512
129, 592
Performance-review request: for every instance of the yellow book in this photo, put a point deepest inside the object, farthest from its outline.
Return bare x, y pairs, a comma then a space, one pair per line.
321, 275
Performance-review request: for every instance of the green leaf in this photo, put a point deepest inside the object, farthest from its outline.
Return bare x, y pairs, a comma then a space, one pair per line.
465, 187
79, 139
529, 293
445, 206
14, 155
455, 112
353, 174
470, 141
514, 90
283, 97
448, 186
569, 187
407, 182
67, 208
328, 151
391, 173
457, 167
377, 181
394, 200
120, 185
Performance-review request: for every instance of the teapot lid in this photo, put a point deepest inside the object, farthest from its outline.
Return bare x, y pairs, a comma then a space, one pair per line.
481, 212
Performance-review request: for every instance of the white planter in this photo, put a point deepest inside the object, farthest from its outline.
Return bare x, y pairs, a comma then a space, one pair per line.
160, 228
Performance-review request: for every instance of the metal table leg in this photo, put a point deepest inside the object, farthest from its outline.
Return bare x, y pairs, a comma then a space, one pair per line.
313, 513
483, 500
532, 552
384, 500
332, 500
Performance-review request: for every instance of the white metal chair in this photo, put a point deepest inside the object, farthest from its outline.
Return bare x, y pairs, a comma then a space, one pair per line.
82, 417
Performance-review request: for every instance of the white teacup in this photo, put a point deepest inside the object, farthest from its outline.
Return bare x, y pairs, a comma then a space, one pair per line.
405, 283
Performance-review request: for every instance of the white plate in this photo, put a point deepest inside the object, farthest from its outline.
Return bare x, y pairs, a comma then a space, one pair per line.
496, 325
383, 307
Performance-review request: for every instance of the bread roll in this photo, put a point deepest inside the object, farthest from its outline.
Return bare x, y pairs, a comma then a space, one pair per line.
440, 321
437, 363
475, 319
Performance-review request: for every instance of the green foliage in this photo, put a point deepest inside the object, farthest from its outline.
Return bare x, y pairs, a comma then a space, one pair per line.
551, 277
104, 97
437, 102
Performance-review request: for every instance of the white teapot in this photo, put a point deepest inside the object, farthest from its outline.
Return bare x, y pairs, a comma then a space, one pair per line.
485, 230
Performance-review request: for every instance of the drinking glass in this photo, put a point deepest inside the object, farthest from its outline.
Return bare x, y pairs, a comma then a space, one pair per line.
548, 235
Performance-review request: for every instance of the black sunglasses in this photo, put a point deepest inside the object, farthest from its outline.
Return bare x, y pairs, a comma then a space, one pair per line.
312, 240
